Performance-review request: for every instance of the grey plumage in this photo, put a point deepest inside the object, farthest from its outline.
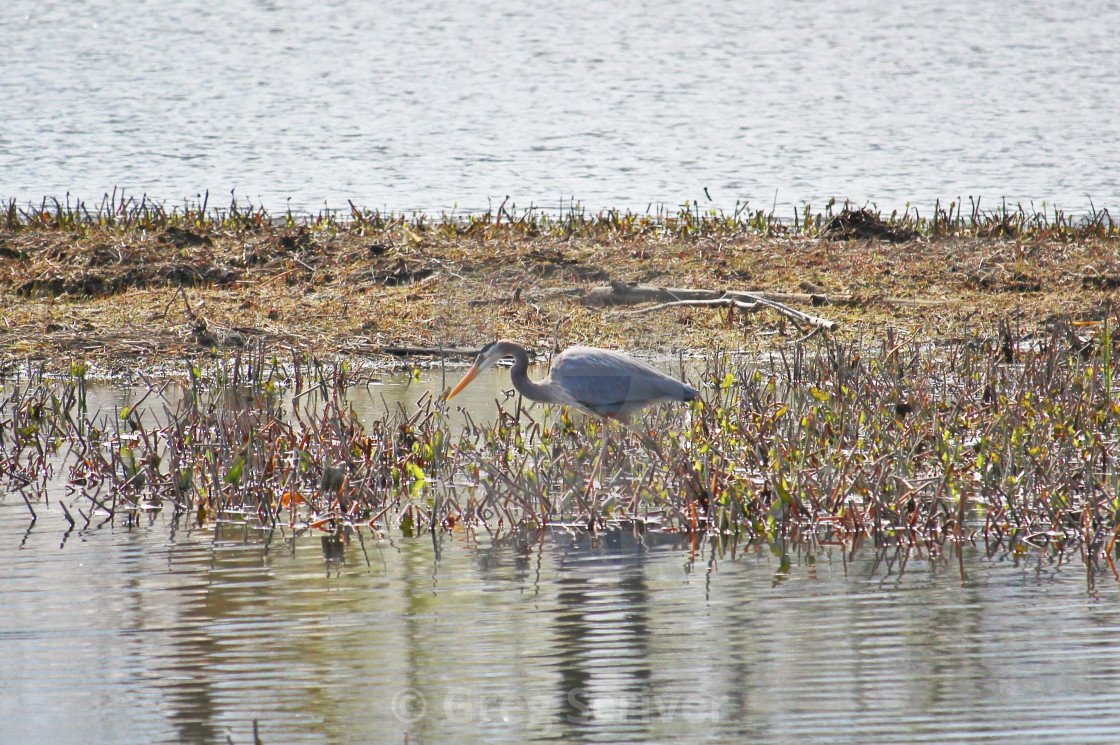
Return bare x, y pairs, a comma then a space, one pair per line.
613, 384
599, 381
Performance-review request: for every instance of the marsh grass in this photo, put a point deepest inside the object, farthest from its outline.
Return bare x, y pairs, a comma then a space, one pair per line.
131, 283
987, 417
956, 219
1009, 446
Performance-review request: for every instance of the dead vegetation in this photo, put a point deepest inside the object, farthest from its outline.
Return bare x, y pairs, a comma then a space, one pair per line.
965, 394
130, 280
1004, 444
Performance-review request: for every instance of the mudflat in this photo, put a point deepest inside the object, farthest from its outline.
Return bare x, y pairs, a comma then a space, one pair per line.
154, 290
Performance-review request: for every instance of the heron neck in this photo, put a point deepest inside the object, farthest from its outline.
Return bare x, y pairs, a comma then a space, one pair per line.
519, 376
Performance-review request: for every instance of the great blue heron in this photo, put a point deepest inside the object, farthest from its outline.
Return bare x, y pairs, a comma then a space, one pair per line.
608, 384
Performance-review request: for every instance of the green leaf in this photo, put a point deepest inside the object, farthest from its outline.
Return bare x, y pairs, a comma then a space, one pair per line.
234, 475
418, 479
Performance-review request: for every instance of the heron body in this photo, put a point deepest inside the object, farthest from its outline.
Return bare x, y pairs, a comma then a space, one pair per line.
602, 382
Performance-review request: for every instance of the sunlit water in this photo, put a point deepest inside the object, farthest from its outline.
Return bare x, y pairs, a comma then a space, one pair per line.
154, 635
626, 104
187, 634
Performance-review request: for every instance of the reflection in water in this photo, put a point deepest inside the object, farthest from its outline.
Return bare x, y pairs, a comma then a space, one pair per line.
144, 635
389, 394
184, 672
601, 649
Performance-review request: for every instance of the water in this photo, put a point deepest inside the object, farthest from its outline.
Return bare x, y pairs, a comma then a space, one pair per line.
186, 634
442, 105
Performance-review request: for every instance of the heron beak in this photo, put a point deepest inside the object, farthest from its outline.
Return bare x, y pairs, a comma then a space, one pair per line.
471, 374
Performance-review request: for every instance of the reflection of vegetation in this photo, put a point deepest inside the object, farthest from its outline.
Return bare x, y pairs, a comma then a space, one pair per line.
1007, 441
603, 654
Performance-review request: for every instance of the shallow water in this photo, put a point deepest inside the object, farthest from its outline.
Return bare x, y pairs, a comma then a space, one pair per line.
382, 394
175, 634
155, 635
437, 105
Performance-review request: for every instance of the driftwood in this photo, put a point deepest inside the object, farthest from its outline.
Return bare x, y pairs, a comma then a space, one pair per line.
723, 302
790, 313
819, 324
620, 293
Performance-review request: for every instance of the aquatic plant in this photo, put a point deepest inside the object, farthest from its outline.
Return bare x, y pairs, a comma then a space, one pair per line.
1003, 440
120, 211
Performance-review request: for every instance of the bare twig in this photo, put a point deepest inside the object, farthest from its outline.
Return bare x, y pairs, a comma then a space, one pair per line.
748, 301
725, 302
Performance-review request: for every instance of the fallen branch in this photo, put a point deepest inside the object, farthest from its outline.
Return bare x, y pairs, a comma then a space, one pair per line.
788, 312
677, 297
620, 293
723, 302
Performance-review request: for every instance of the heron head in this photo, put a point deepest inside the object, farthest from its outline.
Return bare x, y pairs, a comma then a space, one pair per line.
488, 356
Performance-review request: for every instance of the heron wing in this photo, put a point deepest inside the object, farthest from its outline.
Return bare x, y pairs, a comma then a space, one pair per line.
611, 383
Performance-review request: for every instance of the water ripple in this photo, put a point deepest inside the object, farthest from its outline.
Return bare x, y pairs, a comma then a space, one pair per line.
449, 105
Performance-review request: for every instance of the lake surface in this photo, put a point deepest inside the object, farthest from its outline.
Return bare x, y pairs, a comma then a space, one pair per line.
442, 105
184, 634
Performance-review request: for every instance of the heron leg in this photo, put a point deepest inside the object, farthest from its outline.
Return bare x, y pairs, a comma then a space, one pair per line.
645, 437
598, 460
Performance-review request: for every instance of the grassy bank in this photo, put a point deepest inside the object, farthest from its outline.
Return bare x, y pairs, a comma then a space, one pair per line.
128, 282
967, 393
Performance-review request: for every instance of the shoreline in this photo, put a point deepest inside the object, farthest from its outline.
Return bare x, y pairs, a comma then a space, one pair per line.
118, 289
